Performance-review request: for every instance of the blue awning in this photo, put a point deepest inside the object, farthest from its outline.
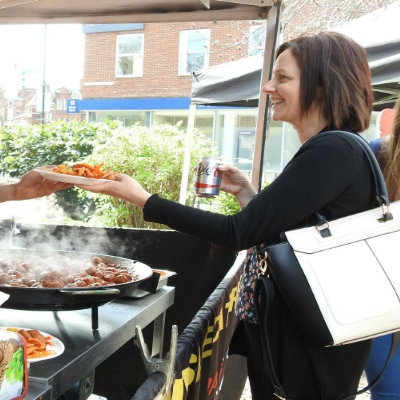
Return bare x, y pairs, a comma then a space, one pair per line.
162, 103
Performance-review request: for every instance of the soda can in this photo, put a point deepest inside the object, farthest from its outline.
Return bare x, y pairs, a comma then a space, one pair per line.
208, 178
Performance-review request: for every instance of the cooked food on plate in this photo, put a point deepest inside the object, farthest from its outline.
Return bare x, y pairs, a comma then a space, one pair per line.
36, 342
85, 170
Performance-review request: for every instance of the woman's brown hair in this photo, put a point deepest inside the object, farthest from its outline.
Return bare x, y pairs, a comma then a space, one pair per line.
334, 73
389, 157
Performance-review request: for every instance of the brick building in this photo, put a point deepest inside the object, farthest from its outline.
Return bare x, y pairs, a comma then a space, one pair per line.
140, 74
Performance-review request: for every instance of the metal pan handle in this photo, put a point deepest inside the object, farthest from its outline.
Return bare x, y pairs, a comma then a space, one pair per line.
98, 292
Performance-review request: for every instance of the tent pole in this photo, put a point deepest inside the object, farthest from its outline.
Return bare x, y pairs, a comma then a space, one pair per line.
186, 157
262, 129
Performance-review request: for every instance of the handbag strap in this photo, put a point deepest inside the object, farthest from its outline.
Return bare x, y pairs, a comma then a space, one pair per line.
264, 297
380, 185
393, 348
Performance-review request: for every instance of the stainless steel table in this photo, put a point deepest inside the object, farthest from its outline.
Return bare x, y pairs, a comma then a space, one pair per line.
85, 348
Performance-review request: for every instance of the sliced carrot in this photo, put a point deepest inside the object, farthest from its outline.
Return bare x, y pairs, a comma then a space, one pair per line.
88, 166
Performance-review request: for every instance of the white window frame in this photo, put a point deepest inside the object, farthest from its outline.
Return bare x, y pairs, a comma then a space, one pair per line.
183, 49
261, 47
137, 57
60, 103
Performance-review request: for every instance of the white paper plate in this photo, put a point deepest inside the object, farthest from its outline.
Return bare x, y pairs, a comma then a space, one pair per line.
55, 345
76, 180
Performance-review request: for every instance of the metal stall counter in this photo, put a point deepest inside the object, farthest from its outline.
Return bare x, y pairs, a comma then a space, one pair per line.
84, 348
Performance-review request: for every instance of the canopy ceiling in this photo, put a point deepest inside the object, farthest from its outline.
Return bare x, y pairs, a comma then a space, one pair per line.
236, 83
120, 11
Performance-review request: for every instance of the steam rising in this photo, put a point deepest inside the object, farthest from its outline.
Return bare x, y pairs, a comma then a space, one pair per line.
38, 224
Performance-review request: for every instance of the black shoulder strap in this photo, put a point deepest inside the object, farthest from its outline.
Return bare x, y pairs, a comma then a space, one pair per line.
264, 296
393, 348
380, 185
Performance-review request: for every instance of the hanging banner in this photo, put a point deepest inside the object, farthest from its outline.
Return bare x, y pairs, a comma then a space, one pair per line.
202, 350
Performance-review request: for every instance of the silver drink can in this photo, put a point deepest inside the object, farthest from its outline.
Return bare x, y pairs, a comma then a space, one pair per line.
208, 178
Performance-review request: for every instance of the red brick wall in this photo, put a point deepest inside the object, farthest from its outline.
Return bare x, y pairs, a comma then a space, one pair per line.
161, 56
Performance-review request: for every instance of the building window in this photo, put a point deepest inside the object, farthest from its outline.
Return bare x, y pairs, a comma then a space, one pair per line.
257, 39
60, 104
193, 50
129, 60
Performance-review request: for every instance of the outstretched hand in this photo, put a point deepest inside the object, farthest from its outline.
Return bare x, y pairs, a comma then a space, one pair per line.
33, 185
123, 187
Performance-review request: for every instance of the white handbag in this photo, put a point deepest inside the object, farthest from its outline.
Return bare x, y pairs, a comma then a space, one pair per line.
354, 274
341, 279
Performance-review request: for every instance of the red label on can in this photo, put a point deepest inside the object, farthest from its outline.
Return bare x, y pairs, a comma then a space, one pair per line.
204, 185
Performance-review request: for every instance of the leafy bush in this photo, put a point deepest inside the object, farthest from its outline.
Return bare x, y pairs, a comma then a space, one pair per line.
154, 157
27, 147
224, 204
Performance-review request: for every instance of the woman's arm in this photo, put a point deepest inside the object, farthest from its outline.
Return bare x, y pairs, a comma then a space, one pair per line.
126, 188
318, 174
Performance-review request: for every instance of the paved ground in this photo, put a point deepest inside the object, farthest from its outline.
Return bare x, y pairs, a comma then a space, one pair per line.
246, 395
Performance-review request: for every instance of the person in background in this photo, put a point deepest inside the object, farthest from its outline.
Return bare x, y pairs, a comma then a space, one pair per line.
30, 186
387, 151
320, 83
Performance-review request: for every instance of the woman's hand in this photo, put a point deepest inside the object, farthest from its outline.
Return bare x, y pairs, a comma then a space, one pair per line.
31, 186
123, 187
236, 183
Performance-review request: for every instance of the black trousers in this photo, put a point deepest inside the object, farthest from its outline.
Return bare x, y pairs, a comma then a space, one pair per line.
306, 372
